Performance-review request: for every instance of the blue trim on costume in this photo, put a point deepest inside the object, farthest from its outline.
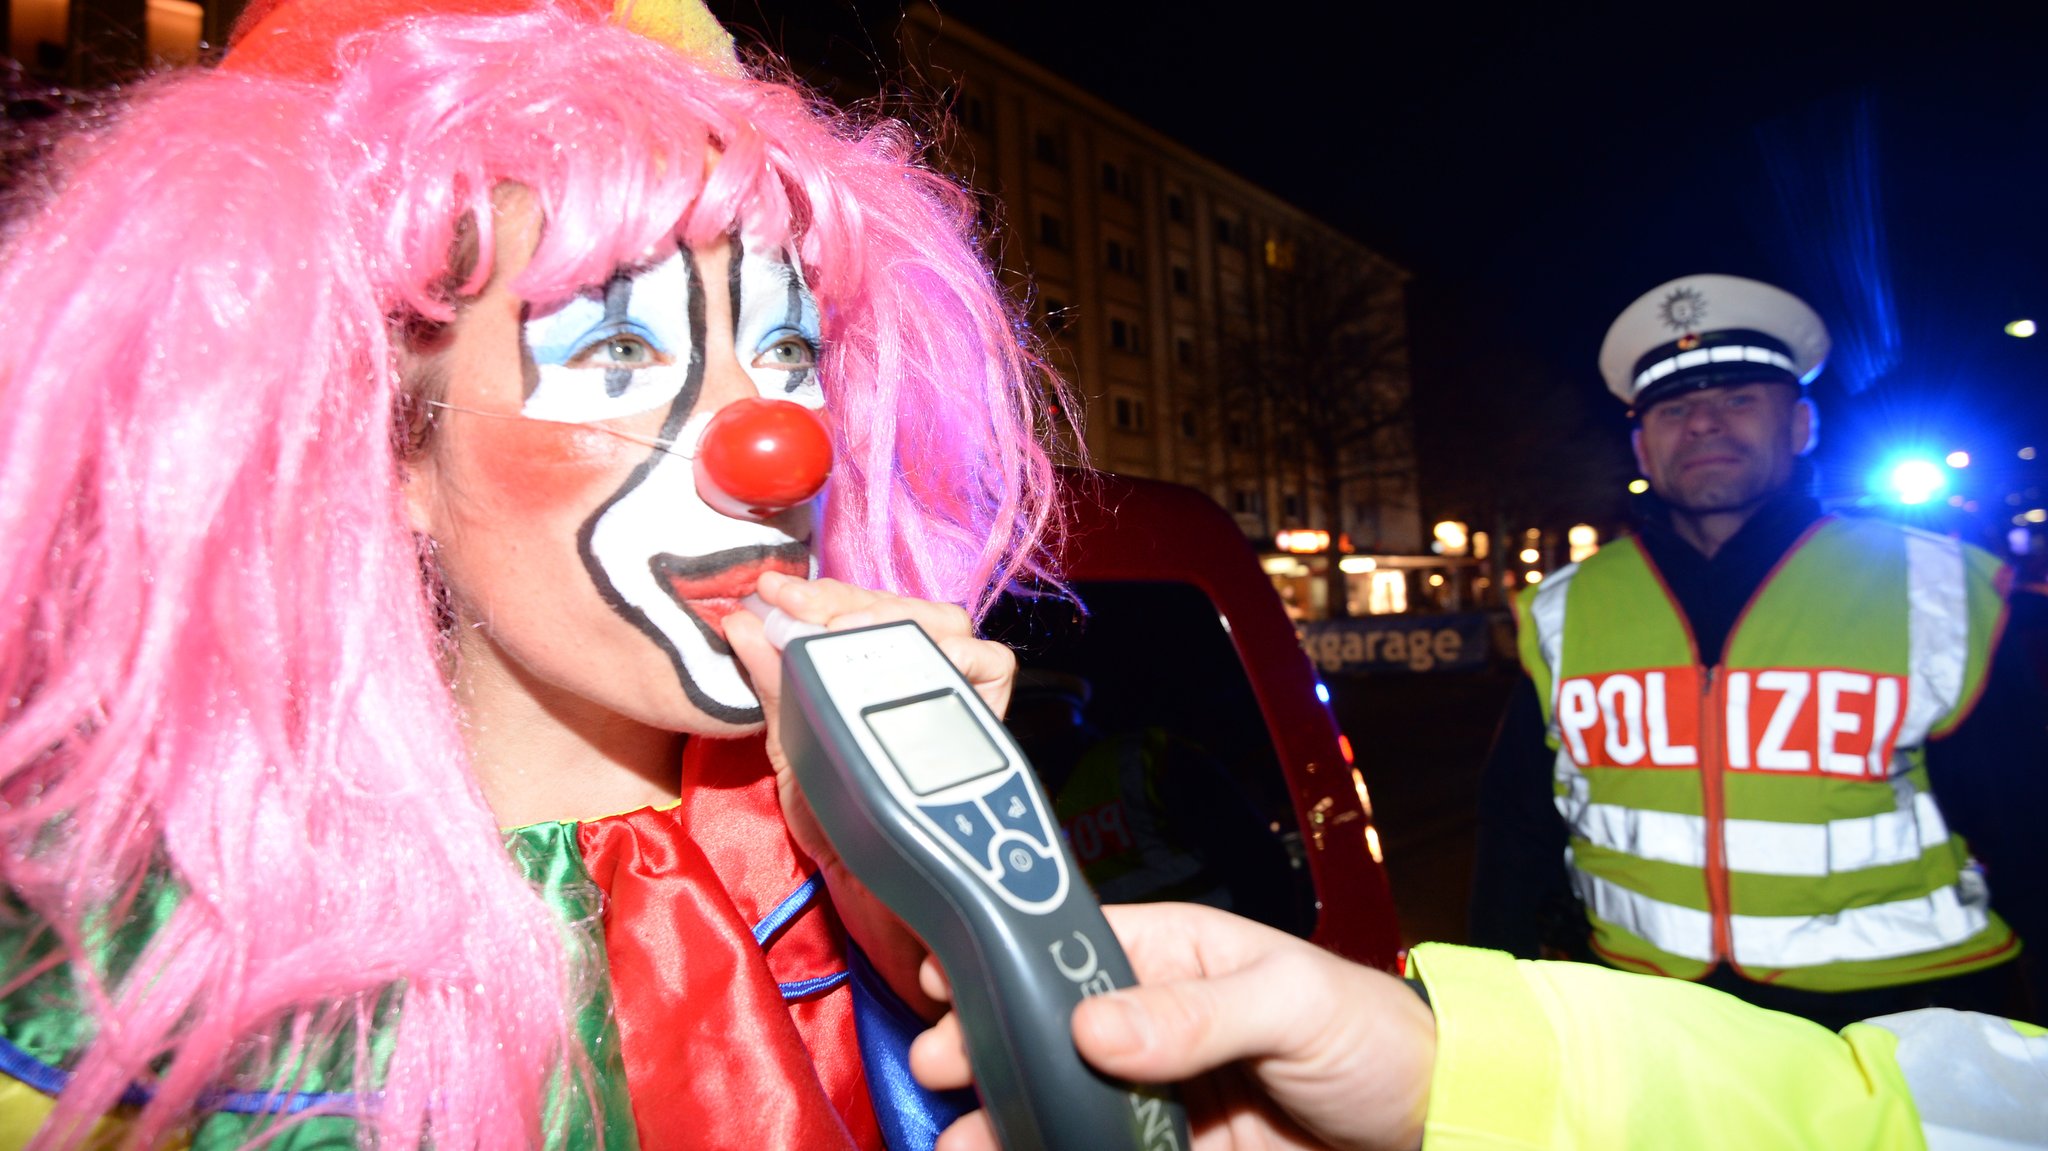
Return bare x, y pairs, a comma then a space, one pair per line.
794, 904
775, 922
805, 988
52, 1081
910, 1116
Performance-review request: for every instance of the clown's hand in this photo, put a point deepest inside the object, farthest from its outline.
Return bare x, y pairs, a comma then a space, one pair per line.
836, 606
1275, 1042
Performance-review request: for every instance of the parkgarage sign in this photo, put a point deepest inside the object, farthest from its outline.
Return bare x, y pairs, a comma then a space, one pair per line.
1410, 644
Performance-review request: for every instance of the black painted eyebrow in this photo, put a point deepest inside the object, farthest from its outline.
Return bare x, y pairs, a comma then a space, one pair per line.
618, 304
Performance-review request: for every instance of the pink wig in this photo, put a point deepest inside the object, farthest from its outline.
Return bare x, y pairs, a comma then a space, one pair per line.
218, 662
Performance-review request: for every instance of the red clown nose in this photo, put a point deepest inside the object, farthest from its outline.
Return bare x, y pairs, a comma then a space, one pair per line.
759, 457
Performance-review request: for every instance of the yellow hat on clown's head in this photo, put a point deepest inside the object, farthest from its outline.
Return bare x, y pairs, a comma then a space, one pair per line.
1710, 331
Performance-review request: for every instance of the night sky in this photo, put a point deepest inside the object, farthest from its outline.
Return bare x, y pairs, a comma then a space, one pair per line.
1537, 169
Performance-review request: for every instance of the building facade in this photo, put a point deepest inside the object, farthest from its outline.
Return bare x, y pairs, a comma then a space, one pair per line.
1197, 316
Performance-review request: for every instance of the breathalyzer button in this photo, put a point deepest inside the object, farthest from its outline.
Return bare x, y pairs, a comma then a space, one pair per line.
965, 823
1012, 804
1029, 873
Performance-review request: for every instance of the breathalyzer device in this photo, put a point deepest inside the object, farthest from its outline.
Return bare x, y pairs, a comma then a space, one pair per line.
928, 800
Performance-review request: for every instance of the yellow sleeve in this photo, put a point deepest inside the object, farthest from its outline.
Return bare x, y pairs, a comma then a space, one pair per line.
1567, 1055
23, 1110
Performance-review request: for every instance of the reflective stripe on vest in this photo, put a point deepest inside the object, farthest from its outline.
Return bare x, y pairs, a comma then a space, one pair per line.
1900, 928
1783, 791
1938, 623
1763, 847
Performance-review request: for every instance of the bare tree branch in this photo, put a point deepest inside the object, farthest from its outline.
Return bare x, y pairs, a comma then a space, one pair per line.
1324, 371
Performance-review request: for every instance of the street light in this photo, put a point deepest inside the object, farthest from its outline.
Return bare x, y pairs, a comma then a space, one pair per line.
1638, 487
1959, 459
2020, 328
1584, 540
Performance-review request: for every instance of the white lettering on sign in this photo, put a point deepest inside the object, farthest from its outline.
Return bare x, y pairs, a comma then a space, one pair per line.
1835, 722
1624, 718
1737, 711
1771, 753
1098, 832
1820, 720
1621, 708
1418, 650
1884, 719
1576, 712
1657, 717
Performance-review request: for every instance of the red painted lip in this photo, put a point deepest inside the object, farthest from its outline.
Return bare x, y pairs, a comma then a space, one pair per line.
715, 595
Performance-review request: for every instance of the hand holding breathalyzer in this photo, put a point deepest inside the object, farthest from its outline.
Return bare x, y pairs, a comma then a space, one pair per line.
924, 797
1276, 1042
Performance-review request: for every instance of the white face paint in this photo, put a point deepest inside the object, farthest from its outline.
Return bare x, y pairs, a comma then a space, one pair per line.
632, 358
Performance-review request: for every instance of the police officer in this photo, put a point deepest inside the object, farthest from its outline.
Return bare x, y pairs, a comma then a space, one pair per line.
1790, 757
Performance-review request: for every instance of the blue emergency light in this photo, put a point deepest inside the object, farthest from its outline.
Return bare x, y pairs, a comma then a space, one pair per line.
1916, 480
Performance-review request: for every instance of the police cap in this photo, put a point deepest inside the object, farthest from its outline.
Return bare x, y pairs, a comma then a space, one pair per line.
1710, 331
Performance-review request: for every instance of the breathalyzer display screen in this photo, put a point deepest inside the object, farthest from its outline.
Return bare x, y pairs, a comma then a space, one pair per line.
935, 742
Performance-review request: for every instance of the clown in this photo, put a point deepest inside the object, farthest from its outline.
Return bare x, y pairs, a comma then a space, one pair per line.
371, 510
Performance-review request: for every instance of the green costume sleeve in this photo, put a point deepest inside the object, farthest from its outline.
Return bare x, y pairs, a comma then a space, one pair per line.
1566, 1055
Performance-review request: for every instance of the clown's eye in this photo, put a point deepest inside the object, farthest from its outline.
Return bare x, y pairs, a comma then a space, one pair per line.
794, 352
618, 350
616, 370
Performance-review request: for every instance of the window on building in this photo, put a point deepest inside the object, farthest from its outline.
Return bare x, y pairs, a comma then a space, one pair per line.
1229, 231
1046, 147
1052, 232
1235, 434
1123, 336
1248, 502
1280, 254
974, 113
1128, 413
1190, 426
1183, 281
1121, 256
1176, 207
1118, 181
1184, 351
1290, 507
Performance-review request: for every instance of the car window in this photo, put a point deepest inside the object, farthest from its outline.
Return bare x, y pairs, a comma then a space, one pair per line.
1143, 726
